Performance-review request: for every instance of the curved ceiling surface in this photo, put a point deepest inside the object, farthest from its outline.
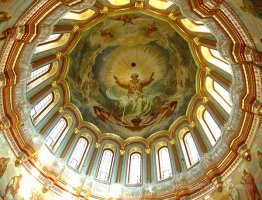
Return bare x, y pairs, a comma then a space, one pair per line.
131, 75
126, 69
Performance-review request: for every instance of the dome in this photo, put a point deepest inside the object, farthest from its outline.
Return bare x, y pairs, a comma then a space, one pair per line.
123, 99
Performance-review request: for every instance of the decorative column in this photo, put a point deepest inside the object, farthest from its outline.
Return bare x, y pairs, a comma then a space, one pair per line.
90, 167
173, 143
148, 151
120, 165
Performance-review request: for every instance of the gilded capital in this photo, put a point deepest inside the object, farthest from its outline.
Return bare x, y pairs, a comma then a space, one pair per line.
139, 4
148, 151
76, 130
75, 28
192, 124
196, 40
104, 10
97, 145
58, 55
54, 84
173, 141
87, 195
208, 70
122, 152
61, 109
172, 16
205, 99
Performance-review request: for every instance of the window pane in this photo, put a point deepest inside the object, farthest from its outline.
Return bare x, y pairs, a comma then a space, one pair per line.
164, 162
135, 168
38, 108
223, 93
208, 133
214, 57
78, 153
55, 134
212, 125
220, 96
191, 149
38, 72
105, 166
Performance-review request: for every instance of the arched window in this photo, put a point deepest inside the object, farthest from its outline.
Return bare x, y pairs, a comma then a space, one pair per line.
78, 154
219, 93
210, 127
224, 94
214, 57
165, 170
190, 151
105, 165
134, 175
38, 73
194, 26
53, 43
39, 107
56, 135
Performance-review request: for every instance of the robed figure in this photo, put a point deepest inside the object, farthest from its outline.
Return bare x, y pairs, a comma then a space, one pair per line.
12, 187
250, 185
135, 103
3, 165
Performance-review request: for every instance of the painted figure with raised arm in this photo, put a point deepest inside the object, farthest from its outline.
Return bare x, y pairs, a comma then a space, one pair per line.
136, 102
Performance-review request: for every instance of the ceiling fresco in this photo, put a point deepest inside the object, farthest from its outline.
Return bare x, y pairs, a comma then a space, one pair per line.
133, 78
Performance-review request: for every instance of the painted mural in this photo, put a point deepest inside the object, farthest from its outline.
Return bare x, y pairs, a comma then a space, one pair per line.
9, 13
245, 183
253, 6
16, 182
250, 13
128, 75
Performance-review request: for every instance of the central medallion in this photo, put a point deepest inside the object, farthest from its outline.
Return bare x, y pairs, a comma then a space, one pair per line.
131, 79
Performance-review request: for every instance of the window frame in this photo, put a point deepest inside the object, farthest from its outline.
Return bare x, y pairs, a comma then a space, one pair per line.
210, 130
83, 156
129, 167
33, 118
62, 132
111, 166
159, 175
34, 69
187, 153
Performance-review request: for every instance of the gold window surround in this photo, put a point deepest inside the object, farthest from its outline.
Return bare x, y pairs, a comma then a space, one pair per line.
79, 15
209, 83
219, 62
69, 123
160, 4
158, 146
50, 73
194, 27
54, 44
56, 99
119, 2
131, 151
